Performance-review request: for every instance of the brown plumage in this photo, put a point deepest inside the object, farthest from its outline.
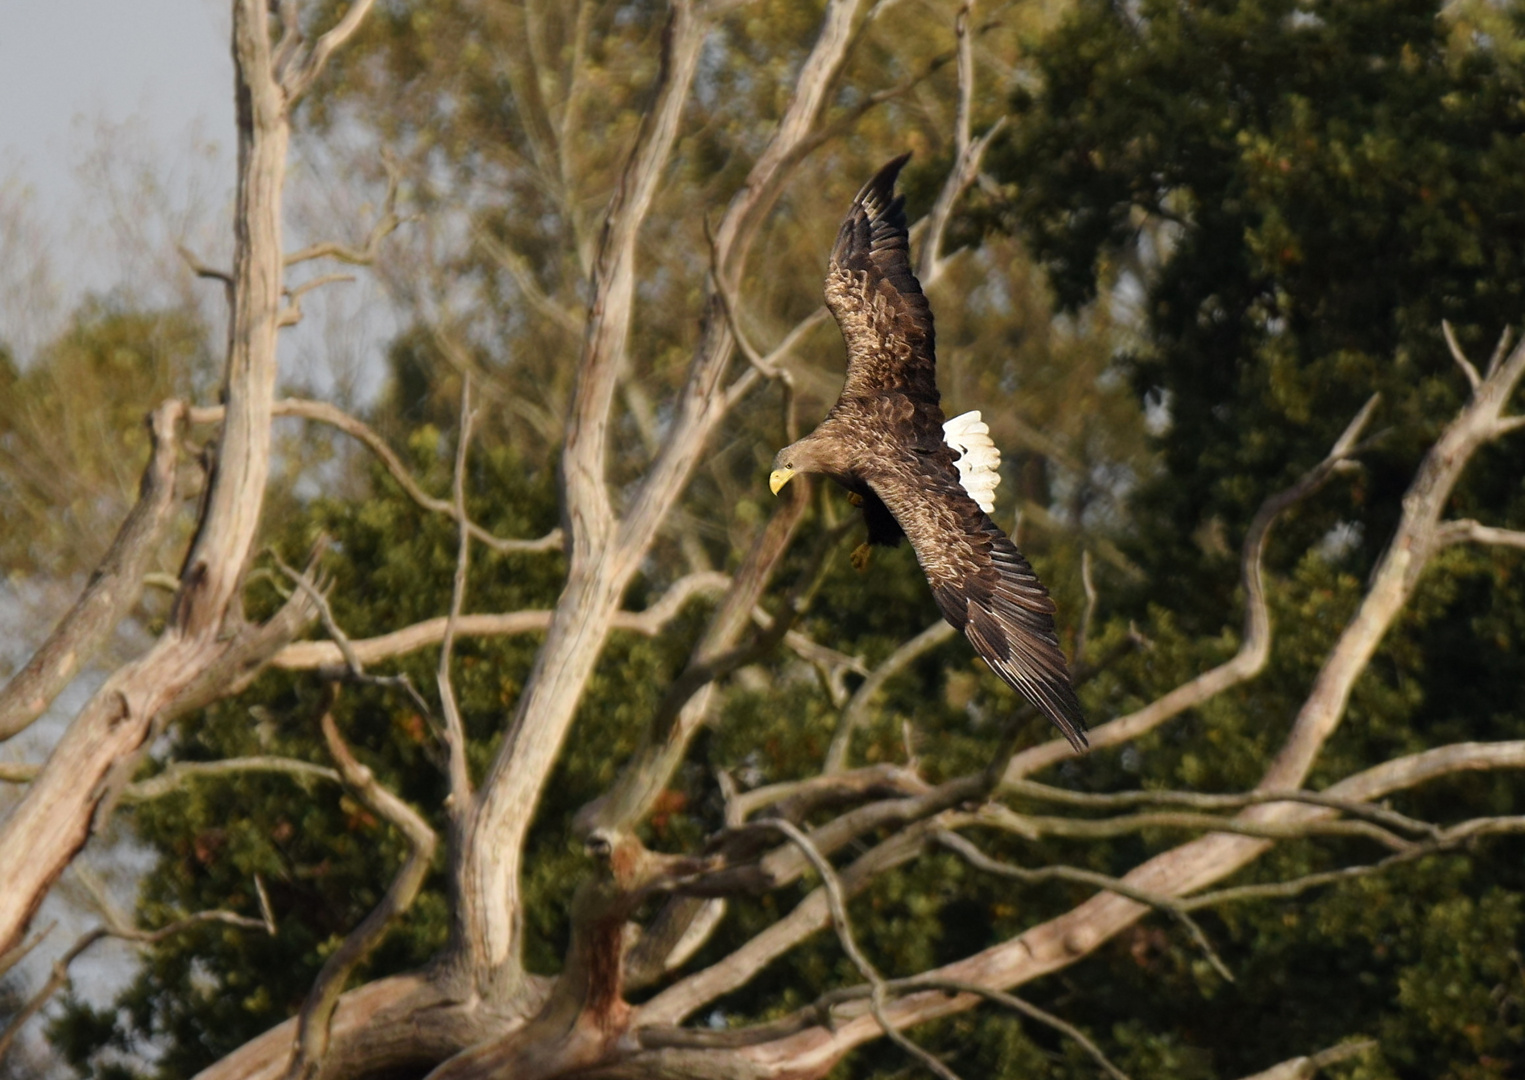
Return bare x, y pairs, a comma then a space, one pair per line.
884, 441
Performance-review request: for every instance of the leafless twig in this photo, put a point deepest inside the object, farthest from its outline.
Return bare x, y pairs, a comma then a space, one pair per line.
366, 254
59, 975
324, 413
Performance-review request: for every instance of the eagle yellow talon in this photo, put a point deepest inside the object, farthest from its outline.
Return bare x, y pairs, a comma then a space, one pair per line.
854, 498
860, 556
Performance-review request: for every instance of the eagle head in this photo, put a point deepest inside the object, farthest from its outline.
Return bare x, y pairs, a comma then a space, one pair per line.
784, 468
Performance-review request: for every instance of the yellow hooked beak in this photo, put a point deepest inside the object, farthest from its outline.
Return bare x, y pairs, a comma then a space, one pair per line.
778, 478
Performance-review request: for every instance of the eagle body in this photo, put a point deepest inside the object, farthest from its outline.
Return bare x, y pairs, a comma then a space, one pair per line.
917, 474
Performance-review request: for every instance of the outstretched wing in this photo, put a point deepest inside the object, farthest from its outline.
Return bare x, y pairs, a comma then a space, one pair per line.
876, 298
984, 587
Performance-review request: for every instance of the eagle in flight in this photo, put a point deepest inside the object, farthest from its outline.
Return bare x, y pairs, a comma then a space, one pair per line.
915, 475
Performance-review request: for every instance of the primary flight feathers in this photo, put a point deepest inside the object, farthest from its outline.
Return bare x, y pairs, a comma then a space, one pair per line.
886, 441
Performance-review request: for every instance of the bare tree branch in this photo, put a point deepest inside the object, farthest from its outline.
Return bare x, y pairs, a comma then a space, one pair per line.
1106, 828
967, 155
1468, 531
1474, 380
59, 975
524, 279
53, 819
1379, 814
291, 314
14, 956
176, 774
682, 710
980, 861
113, 590
299, 75
827, 788
455, 730
313, 1024
309, 655
1305, 1068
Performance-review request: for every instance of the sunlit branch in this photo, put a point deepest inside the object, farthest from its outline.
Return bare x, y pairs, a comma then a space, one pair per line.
1169, 905
1306, 1068
1202, 801
1468, 531
177, 774
1106, 828
307, 655
298, 76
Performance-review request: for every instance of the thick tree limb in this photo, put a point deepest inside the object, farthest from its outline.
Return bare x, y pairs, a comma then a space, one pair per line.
113, 589
603, 556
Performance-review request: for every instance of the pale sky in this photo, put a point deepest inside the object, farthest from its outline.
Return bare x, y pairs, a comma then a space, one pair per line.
66, 64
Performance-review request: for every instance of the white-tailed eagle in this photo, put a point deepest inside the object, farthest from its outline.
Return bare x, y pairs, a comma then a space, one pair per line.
885, 440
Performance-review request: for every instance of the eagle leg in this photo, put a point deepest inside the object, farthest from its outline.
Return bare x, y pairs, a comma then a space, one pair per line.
861, 556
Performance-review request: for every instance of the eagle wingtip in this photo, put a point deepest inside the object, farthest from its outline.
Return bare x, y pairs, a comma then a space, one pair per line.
881, 188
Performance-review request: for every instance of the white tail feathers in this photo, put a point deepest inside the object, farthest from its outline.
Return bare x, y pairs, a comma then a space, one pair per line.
979, 462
